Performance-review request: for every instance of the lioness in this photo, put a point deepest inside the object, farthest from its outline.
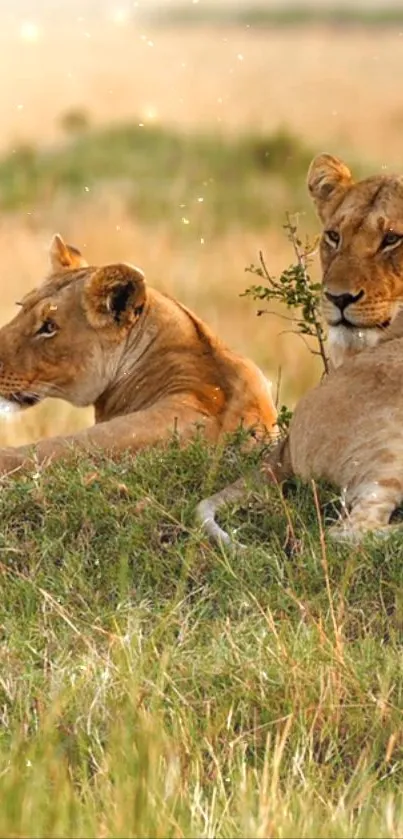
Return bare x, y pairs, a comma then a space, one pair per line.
348, 430
100, 336
360, 252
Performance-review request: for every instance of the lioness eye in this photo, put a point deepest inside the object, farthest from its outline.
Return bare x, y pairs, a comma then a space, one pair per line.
390, 238
332, 237
47, 328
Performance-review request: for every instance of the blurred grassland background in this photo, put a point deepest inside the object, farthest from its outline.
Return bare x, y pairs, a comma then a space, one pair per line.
177, 136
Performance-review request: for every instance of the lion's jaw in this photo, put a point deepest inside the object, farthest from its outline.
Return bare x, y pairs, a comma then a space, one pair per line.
345, 342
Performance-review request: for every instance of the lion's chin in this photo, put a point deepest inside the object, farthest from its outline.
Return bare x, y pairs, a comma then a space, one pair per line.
16, 403
344, 342
8, 408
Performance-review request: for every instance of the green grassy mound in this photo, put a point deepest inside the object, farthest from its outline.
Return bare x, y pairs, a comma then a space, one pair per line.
154, 686
162, 174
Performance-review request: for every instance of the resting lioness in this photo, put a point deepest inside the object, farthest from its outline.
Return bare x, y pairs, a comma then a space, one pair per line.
348, 430
360, 252
99, 336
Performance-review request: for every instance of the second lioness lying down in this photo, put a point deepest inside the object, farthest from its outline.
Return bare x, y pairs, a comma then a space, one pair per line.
149, 366
348, 430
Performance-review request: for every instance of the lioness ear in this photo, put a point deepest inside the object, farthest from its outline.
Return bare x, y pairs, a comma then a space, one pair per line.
328, 181
64, 256
115, 296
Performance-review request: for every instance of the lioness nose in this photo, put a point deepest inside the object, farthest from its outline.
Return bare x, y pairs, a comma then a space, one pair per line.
343, 300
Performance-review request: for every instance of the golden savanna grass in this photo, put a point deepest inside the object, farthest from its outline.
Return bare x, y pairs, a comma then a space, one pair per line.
337, 90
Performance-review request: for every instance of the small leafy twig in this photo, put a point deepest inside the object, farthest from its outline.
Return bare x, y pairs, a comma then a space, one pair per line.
283, 420
295, 289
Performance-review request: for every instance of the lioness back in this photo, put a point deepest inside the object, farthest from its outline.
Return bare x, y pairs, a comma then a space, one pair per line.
196, 359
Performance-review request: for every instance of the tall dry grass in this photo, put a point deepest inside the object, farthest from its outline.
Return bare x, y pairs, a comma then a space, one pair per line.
339, 89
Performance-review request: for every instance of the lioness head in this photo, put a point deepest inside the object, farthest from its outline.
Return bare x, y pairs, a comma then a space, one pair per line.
69, 335
361, 251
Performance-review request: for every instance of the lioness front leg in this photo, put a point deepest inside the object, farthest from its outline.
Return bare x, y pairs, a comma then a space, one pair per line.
371, 510
131, 433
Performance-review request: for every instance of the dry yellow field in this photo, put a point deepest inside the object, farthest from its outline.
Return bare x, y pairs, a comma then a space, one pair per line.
339, 90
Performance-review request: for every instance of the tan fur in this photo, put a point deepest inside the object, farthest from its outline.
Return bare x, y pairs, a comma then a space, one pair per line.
99, 336
348, 430
356, 438
361, 214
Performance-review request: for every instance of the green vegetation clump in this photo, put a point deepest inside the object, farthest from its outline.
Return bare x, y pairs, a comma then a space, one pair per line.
152, 685
161, 174
75, 121
278, 14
